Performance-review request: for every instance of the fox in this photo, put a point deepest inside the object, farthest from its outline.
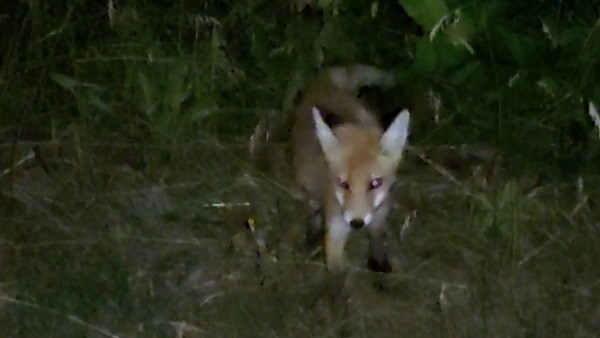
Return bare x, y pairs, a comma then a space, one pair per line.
345, 163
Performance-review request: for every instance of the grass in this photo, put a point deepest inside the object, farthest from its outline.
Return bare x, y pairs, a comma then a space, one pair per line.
126, 180
106, 251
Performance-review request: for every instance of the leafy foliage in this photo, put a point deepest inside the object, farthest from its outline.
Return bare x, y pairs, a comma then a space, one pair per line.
513, 75
123, 163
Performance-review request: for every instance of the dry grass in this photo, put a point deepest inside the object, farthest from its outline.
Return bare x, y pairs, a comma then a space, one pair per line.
94, 247
126, 181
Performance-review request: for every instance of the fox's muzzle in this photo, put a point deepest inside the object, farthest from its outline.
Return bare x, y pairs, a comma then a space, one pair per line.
357, 223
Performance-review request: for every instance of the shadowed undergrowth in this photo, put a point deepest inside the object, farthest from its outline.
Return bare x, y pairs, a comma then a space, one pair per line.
130, 204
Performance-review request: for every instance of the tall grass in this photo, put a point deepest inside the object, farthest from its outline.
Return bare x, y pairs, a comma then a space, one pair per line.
127, 184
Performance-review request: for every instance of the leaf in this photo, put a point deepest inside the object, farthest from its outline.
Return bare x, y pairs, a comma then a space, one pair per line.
520, 46
571, 35
509, 194
64, 81
147, 94
460, 31
426, 13
97, 103
593, 112
469, 73
438, 56
425, 56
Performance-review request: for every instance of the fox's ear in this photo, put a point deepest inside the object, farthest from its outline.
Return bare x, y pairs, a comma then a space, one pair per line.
394, 139
329, 143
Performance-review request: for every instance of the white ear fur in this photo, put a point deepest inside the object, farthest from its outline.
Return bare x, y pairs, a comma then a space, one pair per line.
394, 139
329, 142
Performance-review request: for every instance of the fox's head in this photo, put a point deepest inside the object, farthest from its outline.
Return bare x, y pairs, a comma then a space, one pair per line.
363, 162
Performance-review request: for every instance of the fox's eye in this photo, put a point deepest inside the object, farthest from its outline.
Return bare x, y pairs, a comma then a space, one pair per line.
343, 184
375, 183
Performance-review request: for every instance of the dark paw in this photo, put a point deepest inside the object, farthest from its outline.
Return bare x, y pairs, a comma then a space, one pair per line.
315, 230
314, 236
379, 266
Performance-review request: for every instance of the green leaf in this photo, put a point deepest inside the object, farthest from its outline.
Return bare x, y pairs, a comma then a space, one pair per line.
438, 56
460, 31
469, 73
64, 81
97, 103
147, 94
509, 194
426, 13
571, 35
425, 57
520, 46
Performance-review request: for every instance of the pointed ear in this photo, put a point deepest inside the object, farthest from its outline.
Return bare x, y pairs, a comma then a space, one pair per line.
328, 141
394, 139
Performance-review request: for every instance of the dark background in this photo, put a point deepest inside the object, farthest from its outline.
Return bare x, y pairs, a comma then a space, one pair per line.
137, 138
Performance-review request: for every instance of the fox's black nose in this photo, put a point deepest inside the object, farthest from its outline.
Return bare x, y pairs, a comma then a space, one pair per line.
357, 223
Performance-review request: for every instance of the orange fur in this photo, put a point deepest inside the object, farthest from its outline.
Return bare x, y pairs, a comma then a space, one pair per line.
348, 168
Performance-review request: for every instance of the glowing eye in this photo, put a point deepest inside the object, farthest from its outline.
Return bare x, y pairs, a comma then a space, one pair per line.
343, 184
375, 183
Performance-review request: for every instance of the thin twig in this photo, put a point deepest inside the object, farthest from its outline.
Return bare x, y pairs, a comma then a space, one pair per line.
27, 157
71, 318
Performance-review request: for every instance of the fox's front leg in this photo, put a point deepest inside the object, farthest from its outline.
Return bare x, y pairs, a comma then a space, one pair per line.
314, 229
378, 255
335, 242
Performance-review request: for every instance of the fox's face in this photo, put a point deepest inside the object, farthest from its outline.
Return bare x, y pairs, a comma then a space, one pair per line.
363, 162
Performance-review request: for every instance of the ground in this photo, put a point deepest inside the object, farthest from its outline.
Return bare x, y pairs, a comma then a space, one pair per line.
95, 244
146, 185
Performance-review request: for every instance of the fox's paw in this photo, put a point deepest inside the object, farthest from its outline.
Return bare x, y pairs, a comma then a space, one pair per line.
382, 265
314, 235
314, 229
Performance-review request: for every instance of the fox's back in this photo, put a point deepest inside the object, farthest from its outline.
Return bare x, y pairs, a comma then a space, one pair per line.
334, 93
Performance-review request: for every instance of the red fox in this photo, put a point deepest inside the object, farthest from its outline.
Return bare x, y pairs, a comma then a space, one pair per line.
347, 165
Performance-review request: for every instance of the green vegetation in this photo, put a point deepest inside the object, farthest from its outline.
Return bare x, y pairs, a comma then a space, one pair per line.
126, 175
